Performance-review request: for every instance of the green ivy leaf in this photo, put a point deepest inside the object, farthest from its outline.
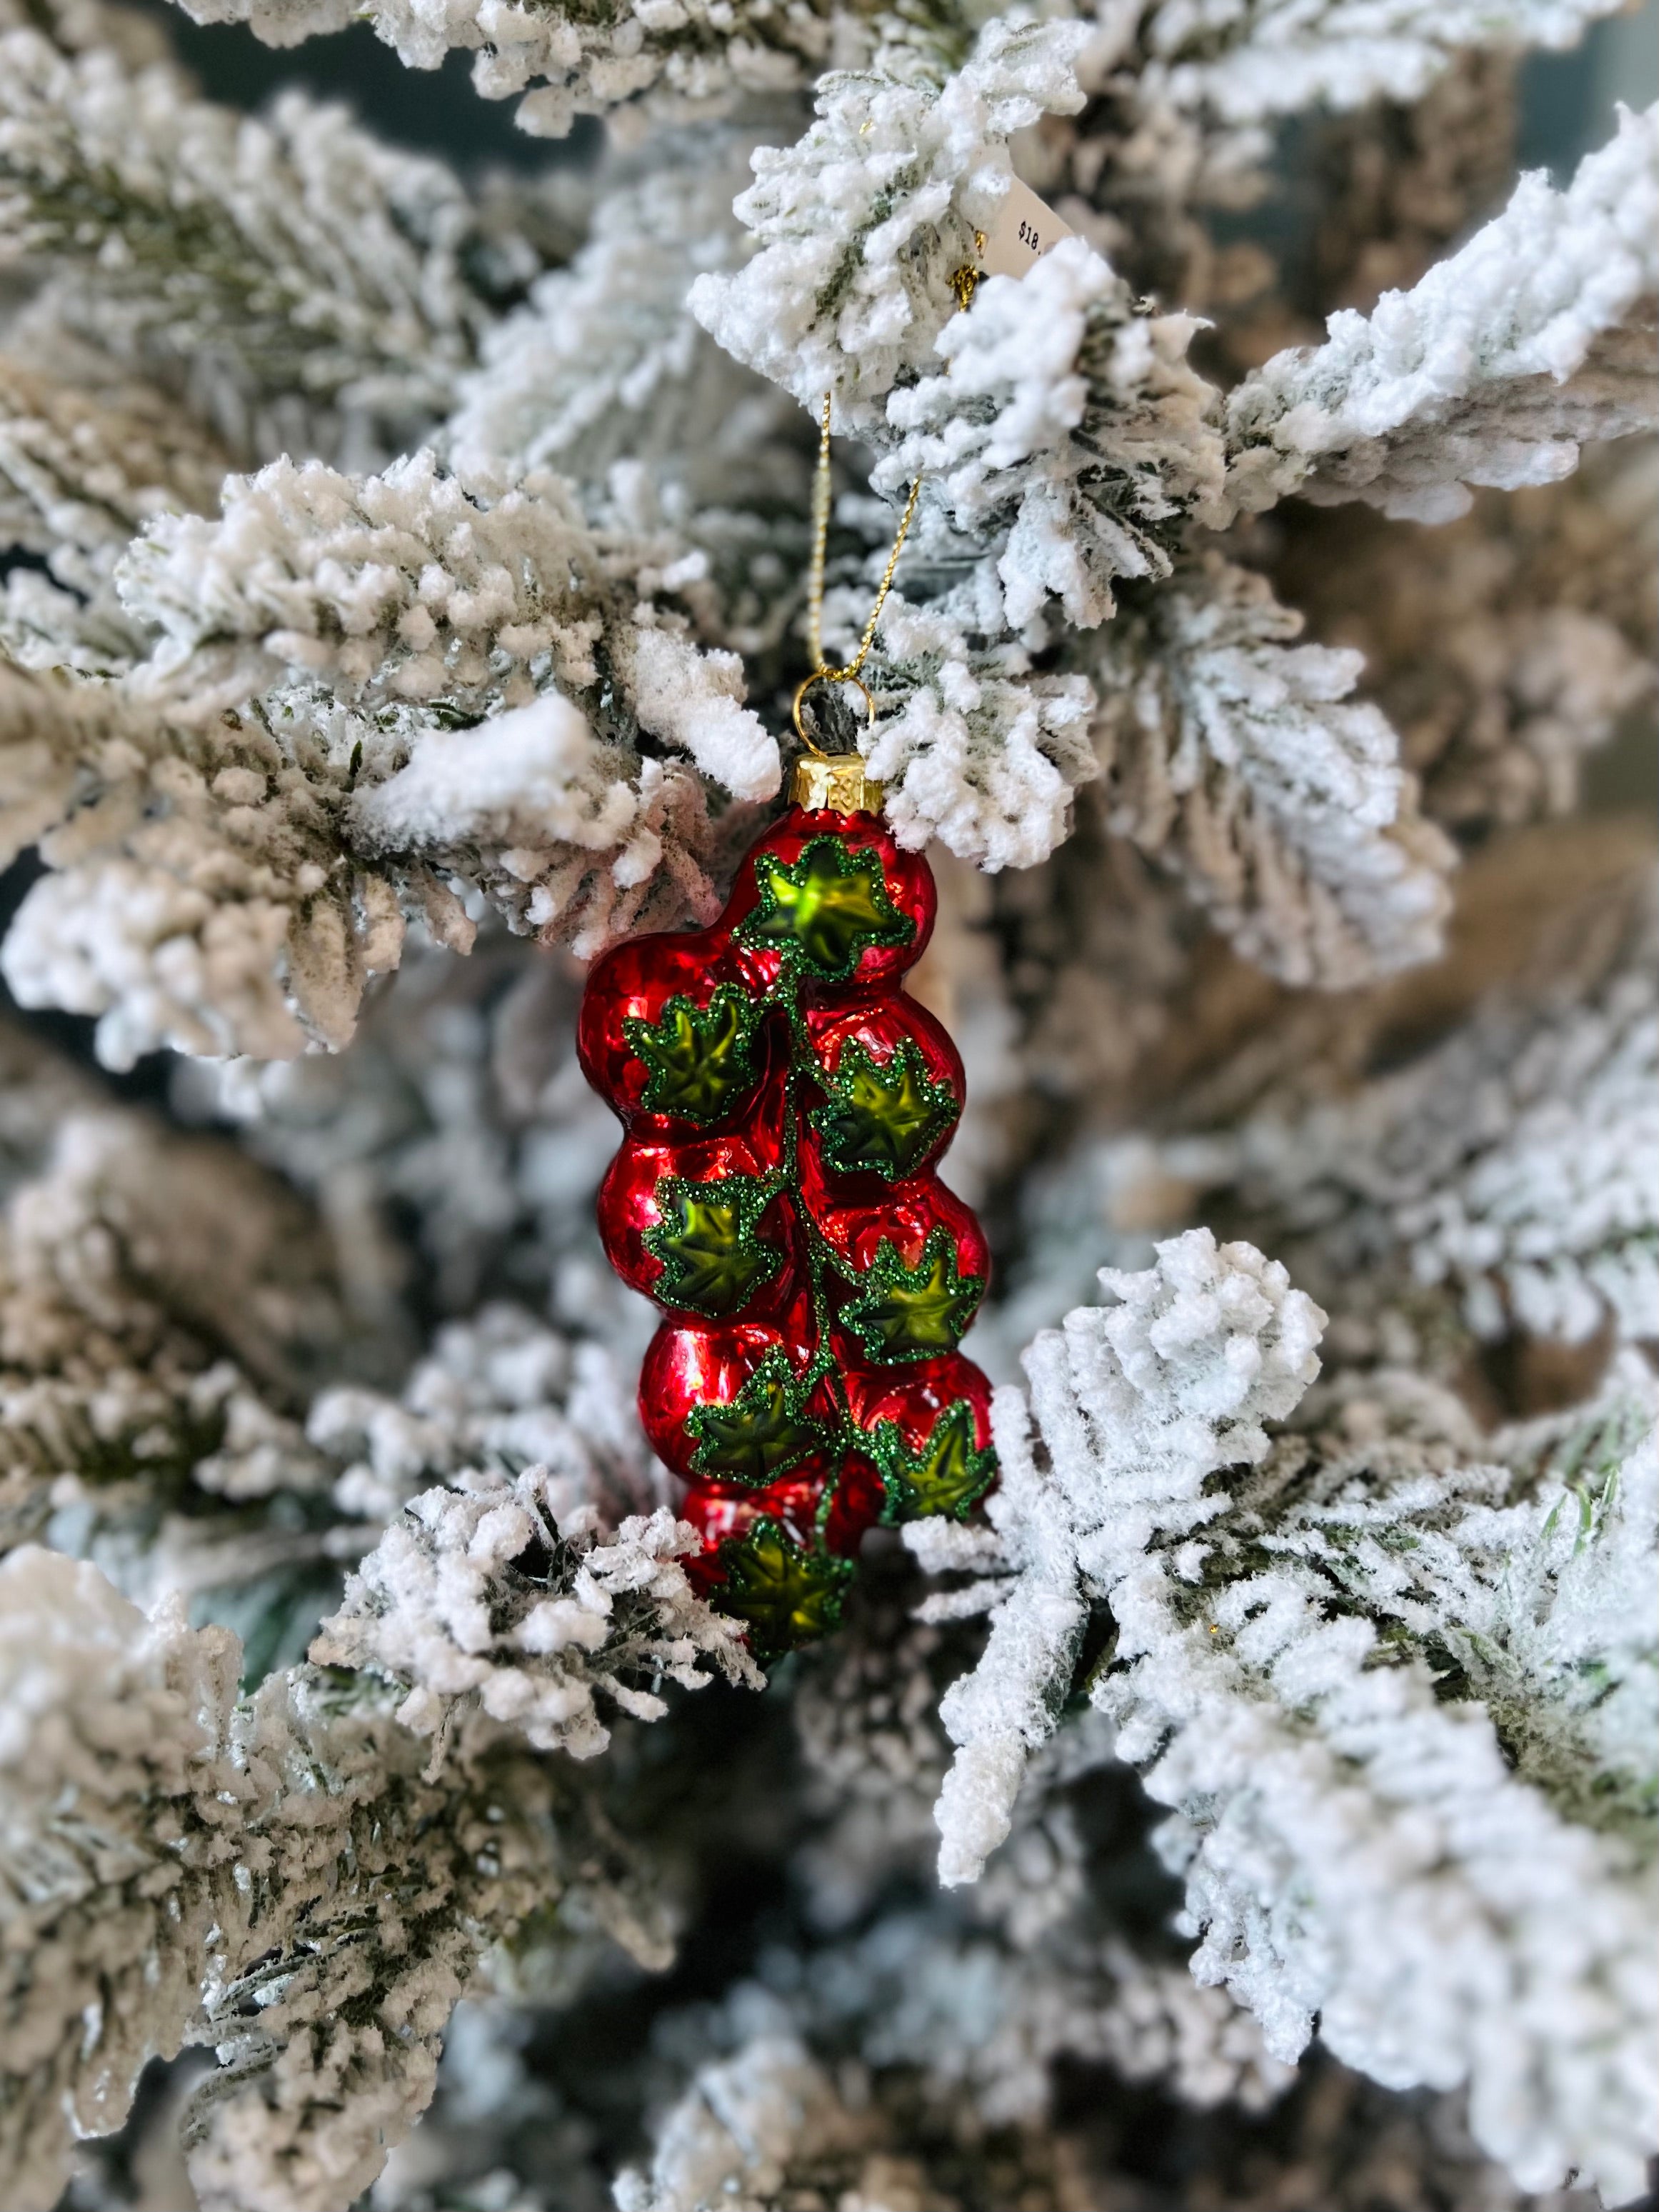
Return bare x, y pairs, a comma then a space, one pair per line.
788, 1593
761, 1432
823, 911
949, 1474
700, 1058
713, 1259
883, 1117
913, 1313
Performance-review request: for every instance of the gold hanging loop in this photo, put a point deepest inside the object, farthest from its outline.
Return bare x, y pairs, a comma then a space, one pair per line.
827, 676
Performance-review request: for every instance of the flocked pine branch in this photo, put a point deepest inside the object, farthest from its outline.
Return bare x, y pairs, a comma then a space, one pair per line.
750, 2127
498, 1392
1491, 1192
156, 1360
481, 650
1510, 646
330, 648
1277, 1639
421, 587
1100, 449
115, 1722
188, 1403
983, 752
1251, 59
768, 2115
673, 61
863, 224
459, 1127
1243, 61
280, 1876
1533, 337
1507, 1166
81, 473
604, 361
454, 1603
1240, 757
1241, 1341
1079, 453
1284, 1135
1352, 2138
293, 278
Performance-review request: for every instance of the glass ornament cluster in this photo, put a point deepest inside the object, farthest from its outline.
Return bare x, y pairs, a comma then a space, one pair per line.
786, 1103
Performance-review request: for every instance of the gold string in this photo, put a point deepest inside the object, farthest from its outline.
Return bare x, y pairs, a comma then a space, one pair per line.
823, 672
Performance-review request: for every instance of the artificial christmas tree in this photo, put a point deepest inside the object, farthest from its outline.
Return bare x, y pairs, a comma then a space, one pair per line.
1229, 1777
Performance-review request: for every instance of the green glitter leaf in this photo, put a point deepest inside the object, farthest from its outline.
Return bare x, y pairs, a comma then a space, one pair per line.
788, 1593
949, 1474
701, 1059
761, 1432
713, 1259
883, 1117
914, 1313
823, 911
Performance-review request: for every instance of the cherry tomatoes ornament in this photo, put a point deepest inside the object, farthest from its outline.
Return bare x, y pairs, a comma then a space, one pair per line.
785, 1103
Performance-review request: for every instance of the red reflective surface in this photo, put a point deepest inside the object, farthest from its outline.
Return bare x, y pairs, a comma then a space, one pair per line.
811, 1230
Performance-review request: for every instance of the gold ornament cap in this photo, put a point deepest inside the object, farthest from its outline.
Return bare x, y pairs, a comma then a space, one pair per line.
835, 781
832, 781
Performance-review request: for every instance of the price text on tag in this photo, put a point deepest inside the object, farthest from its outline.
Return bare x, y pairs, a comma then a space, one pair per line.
1023, 229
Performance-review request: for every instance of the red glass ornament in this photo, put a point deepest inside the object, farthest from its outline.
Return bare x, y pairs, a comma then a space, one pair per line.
785, 1103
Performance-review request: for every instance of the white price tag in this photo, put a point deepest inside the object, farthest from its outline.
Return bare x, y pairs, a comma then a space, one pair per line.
1023, 230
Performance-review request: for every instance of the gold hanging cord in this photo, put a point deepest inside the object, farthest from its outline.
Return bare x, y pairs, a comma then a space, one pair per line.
823, 673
